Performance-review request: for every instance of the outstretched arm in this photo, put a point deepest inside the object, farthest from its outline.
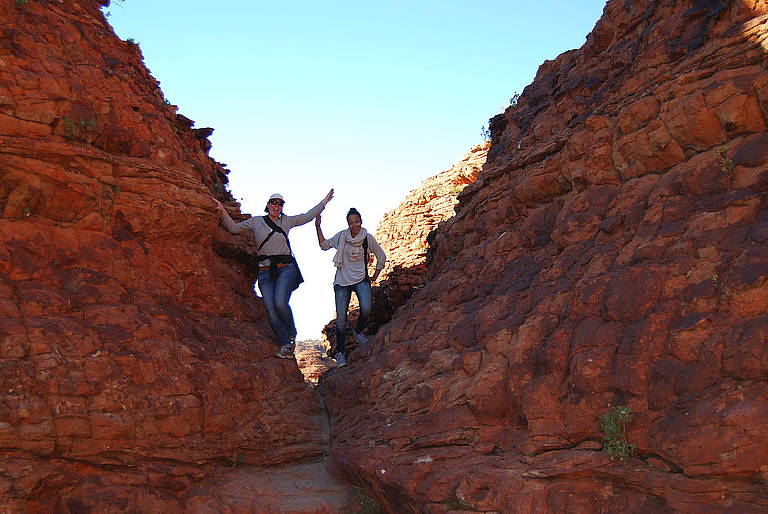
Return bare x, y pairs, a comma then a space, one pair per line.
226, 221
300, 219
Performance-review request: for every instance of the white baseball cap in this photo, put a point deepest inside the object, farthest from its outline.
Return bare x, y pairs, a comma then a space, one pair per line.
276, 196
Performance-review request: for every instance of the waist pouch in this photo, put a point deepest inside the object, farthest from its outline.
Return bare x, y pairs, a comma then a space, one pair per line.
274, 260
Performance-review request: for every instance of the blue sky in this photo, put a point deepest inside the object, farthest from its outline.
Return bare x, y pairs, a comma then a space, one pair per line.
370, 98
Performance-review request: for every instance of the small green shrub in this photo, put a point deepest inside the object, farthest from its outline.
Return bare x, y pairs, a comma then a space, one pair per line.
76, 130
363, 504
485, 133
21, 3
614, 423
73, 285
725, 163
237, 460
457, 505
27, 211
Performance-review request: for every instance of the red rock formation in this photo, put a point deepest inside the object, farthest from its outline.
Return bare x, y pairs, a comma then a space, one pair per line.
404, 231
613, 251
313, 360
134, 357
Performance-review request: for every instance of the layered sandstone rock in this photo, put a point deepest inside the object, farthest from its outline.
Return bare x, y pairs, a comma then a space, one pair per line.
313, 359
614, 251
404, 231
135, 361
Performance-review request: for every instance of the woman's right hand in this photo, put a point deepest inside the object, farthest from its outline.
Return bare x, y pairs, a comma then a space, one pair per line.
220, 207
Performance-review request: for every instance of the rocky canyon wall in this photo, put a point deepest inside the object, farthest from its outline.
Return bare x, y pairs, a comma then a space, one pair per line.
404, 232
612, 252
135, 359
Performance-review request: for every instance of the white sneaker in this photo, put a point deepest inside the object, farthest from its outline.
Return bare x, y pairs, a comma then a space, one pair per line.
285, 352
360, 338
340, 360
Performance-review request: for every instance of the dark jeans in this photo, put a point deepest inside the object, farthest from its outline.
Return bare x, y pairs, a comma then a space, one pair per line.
276, 294
343, 295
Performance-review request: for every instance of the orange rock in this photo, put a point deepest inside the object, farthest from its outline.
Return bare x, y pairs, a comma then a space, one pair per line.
130, 334
612, 251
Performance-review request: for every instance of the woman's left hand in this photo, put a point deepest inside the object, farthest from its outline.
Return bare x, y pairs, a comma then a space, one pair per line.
328, 197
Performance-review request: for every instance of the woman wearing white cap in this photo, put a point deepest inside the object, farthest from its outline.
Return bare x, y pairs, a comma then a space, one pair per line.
278, 274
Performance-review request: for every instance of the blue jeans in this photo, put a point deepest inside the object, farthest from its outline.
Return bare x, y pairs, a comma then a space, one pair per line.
343, 295
276, 294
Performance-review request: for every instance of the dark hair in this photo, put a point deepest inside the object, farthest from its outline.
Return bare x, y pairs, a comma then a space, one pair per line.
352, 211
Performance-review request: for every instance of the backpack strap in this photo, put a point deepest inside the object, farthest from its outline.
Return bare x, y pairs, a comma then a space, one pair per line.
266, 239
275, 259
275, 228
365, 252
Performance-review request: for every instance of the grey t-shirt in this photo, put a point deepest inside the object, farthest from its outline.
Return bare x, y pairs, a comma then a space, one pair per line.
276, 244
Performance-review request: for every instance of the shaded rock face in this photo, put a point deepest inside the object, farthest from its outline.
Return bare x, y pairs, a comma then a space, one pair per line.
135, 359
613, 251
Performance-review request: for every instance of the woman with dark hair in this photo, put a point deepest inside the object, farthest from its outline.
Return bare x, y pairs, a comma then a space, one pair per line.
278, 275
352, 250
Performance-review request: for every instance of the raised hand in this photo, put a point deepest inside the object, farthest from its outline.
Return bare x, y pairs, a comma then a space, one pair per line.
220, 207
328, 197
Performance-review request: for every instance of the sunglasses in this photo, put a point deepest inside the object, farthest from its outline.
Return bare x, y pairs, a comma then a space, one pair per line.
277, 202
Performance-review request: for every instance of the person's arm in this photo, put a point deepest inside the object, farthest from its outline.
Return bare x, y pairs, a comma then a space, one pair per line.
226, 221
327, 244
301, 219
320, 236
381, 258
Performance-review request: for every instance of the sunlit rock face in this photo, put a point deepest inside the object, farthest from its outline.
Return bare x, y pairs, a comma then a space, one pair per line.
404, 231
134, 356
612, 252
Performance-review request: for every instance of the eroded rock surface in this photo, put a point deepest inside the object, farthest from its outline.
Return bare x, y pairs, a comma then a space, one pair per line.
613, 251
135, 360
404, 232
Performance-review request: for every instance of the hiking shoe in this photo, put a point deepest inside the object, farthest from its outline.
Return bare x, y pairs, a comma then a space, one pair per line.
340, 360
285, 352
360, 338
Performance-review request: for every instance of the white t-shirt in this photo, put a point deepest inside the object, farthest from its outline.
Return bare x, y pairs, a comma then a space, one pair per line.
353, 267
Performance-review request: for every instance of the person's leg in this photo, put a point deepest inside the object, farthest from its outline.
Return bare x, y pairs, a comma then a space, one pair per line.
284, 285
343, 295
363, 292
267, 288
